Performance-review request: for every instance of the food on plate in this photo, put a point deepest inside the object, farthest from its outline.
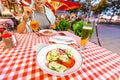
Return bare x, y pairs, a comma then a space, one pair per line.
47, 32
60, 60
62, 34
57, 67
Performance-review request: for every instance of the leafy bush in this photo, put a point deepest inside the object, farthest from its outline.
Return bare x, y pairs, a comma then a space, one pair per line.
63, 25
77, 27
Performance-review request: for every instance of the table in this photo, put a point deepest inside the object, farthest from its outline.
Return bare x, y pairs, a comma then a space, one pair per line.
19, 63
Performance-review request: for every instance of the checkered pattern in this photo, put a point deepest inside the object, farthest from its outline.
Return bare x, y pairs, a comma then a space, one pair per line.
19, 63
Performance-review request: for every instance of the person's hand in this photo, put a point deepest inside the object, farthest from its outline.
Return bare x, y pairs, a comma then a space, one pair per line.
53, 26
28, 12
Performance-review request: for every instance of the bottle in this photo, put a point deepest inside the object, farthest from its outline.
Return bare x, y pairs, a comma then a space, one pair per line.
7, 39
14, 39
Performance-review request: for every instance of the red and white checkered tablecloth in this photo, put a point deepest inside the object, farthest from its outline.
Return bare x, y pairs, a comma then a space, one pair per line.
19, 63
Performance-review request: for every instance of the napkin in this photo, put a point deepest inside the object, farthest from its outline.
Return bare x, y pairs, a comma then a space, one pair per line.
39, 46
62, 39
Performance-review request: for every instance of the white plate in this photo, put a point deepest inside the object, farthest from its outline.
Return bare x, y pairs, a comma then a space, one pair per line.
52, 32
41, 59
62, 39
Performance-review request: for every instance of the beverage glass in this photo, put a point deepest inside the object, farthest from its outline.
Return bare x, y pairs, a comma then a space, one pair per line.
34, 25
85, 36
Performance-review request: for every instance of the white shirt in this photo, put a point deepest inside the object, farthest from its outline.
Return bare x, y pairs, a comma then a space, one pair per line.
49, 15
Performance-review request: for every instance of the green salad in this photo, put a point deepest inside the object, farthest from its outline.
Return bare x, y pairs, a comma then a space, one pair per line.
60, 60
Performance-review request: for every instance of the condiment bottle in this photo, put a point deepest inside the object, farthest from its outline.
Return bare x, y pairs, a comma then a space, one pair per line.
7, 39
14, 39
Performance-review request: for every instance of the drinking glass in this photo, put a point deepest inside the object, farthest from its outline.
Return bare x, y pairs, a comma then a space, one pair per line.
85, 36
34, 24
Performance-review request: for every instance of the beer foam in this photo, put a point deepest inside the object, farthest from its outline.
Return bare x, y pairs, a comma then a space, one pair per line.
87, 27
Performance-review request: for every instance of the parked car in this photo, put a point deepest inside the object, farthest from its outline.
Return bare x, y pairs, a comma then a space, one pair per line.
106, 17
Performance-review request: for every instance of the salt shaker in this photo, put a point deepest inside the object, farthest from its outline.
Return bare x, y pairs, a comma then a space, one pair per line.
14, 39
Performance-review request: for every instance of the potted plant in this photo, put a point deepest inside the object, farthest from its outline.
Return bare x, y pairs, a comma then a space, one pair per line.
77, 27
63, 25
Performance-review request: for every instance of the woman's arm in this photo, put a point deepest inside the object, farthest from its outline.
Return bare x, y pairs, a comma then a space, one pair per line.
21, 27
53, 26
27, 13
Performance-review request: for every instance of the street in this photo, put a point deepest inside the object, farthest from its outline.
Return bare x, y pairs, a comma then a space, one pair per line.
109, 36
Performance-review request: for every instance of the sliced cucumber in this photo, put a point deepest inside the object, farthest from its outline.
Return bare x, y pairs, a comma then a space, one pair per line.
69, 53
52, 55
57, 67
63, 57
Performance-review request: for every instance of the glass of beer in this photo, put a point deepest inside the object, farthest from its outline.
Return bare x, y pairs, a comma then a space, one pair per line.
86, 31
34, 25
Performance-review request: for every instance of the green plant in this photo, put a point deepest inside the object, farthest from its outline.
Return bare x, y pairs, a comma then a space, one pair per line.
77, 27
63, 25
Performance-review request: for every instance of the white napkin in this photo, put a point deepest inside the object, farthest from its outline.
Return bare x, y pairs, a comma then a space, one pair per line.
62, 39
39, 46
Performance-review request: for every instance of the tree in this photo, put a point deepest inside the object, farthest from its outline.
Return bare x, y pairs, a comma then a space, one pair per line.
107, 5
100, 7
114, 6
84, 8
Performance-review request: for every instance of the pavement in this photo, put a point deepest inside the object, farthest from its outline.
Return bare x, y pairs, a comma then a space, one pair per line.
109, 36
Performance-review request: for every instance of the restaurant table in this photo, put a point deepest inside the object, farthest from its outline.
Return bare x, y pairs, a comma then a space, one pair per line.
19, 63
